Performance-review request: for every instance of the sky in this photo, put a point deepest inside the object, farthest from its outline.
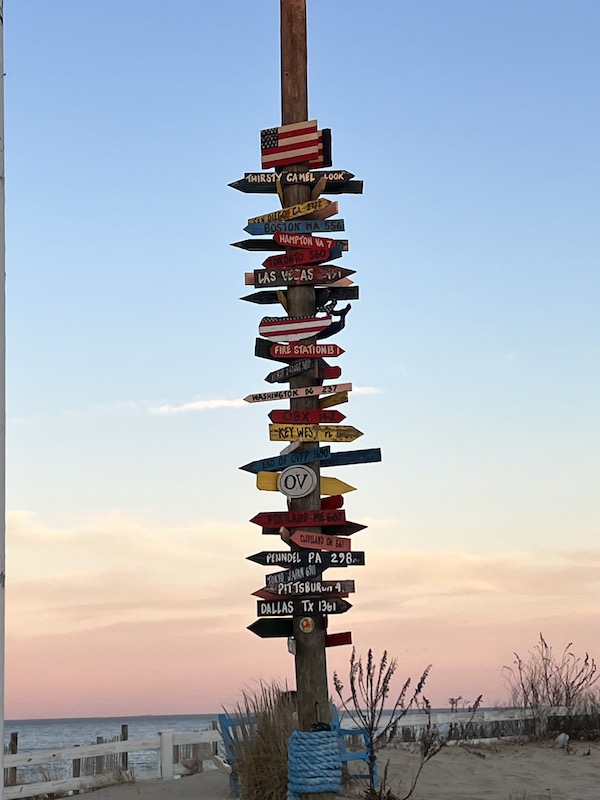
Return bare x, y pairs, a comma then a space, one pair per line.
473, 349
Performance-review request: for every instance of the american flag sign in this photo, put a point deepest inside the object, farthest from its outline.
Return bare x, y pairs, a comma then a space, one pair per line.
289, 144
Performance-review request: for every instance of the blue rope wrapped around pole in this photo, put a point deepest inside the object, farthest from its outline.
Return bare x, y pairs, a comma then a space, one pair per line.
313, 763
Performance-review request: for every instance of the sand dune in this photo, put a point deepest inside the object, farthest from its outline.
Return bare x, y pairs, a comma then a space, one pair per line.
503, 771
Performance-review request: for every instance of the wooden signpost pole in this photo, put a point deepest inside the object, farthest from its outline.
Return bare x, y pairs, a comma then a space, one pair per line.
311, 666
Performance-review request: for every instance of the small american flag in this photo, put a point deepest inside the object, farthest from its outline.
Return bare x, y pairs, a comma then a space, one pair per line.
289, 144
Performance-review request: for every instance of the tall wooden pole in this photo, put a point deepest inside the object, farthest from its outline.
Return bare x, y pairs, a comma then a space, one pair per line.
311, 666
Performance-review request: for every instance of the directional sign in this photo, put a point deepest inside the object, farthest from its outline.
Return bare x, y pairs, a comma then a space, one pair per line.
276, 463
330, 503
306, 391
291, 558
352, 457
293, 212
300, 276
292, 329
315, 587
302, 350
338, 181
262, 349
323, 295
293, 482
325, 372
302, 572
333, 400
272, 628
335, 639
300, 606
306, 241
296, 226
300, 518
346, 529
313, 433
301, 416
272, 246
301, 257
320, 541
285, 373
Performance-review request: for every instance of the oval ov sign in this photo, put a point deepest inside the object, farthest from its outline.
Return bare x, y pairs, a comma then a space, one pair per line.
296, 481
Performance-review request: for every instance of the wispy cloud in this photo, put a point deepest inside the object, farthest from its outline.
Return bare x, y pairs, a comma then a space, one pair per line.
168, 409
366, 390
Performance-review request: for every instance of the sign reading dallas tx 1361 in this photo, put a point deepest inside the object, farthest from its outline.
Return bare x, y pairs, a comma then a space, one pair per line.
303, 238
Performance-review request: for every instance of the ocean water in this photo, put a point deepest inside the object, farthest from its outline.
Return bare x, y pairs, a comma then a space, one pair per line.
47, 734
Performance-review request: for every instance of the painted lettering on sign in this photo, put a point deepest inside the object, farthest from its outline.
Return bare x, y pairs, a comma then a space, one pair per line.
307, 391
320, 541
295, 519
290, 212
297, 481
296, 226
313, 433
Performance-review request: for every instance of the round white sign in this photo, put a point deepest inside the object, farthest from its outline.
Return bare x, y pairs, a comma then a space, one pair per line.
296, 481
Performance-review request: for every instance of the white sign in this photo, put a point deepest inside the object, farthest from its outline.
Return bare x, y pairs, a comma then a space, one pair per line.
296, 481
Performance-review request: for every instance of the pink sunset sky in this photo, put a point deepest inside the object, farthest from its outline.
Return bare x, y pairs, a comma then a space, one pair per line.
473, 350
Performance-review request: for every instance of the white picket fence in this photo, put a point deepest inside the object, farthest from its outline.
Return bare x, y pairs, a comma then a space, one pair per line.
165, 741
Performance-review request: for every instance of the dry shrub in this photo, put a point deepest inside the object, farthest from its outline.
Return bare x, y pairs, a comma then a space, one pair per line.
261, 761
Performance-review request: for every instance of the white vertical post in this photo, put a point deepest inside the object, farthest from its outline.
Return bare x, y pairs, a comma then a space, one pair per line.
165, 754
2, 400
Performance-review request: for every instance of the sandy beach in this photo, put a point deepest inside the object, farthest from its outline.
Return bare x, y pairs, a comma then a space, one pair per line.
502, 771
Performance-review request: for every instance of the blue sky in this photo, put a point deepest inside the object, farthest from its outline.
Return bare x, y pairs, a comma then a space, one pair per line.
475, 127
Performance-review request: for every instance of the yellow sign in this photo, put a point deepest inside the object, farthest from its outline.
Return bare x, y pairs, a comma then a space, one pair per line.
313, 433
333, 400
267, 481
292, 212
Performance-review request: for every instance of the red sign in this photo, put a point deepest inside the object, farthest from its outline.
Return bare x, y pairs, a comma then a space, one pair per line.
300, 350
295, 519
297, 258
335, 639
306, 415
304, 240
320, 541
335, 501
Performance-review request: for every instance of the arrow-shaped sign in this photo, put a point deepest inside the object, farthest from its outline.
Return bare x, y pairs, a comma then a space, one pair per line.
324, 295
273, 246
278, 558
320, 541
296, 226
345, 529
337, 182
272, 628
300, 416
297, 276
300, 606
316, 587
313, 433
335, 639
277, 463
333, 400
302, 350
302, 572
301, 257
285, 373
306, 241
267, 482
306, 391
293, 212
369, 456
295, 519
337, 501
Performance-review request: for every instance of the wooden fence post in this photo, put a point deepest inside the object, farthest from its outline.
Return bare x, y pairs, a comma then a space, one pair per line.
76, 770
165, 755
124, 755
98, 769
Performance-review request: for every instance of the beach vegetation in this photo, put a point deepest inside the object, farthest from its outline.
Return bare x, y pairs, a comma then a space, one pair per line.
543, 680
368, 706
268, 717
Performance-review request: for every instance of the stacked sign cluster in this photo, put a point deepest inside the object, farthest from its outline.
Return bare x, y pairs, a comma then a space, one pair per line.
299, 238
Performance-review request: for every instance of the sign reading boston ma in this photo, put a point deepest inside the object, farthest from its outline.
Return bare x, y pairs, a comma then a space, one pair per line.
311, 295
